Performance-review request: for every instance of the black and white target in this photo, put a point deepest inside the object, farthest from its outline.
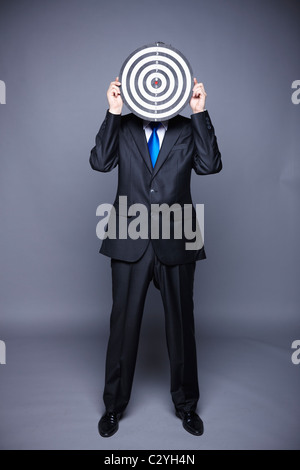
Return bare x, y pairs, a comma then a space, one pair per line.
156, 82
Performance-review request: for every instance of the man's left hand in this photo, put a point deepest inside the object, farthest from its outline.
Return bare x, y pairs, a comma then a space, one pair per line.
197, 101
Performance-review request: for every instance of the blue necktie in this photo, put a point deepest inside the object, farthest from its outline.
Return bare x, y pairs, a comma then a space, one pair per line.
153, 142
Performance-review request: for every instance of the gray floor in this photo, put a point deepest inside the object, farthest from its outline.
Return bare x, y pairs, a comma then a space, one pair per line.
50, 397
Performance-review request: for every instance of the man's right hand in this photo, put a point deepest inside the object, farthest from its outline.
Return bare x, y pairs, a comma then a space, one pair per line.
114, 97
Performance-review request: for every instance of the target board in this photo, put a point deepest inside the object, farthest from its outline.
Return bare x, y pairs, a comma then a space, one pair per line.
156, 82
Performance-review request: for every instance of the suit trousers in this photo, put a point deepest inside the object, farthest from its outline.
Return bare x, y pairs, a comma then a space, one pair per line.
130, 282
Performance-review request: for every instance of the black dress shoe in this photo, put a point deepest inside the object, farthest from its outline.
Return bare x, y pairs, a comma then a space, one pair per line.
191, 422
108, 424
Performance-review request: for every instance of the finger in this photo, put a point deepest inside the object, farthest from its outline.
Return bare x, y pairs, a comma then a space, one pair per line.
195, 80
115, 83
199, 95
115, 90
199, 86
199, 90
202, 88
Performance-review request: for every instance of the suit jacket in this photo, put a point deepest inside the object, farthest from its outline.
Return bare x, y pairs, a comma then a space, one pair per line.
188, 144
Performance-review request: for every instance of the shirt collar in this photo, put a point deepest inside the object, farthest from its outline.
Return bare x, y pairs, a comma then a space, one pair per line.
163, 123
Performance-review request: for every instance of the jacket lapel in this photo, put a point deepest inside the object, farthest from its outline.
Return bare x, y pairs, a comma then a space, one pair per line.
170, 138
138, 134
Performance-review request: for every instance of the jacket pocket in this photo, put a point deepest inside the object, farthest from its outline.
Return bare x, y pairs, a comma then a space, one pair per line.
180, 147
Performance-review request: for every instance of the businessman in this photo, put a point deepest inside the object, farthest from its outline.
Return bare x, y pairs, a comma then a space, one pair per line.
154, 161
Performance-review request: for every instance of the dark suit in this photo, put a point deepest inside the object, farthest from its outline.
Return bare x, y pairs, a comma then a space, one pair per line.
188, 144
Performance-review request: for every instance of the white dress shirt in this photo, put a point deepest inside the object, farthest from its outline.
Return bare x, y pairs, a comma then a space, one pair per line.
160, 131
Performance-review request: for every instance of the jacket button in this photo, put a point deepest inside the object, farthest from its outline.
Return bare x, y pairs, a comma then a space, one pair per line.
151, 190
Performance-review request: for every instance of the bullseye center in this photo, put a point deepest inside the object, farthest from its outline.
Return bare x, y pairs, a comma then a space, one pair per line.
156, 82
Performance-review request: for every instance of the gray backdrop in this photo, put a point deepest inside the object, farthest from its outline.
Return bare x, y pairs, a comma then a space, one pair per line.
57, 59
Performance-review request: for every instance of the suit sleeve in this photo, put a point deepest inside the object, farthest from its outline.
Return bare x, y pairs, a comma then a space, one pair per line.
105, 155
207, 157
